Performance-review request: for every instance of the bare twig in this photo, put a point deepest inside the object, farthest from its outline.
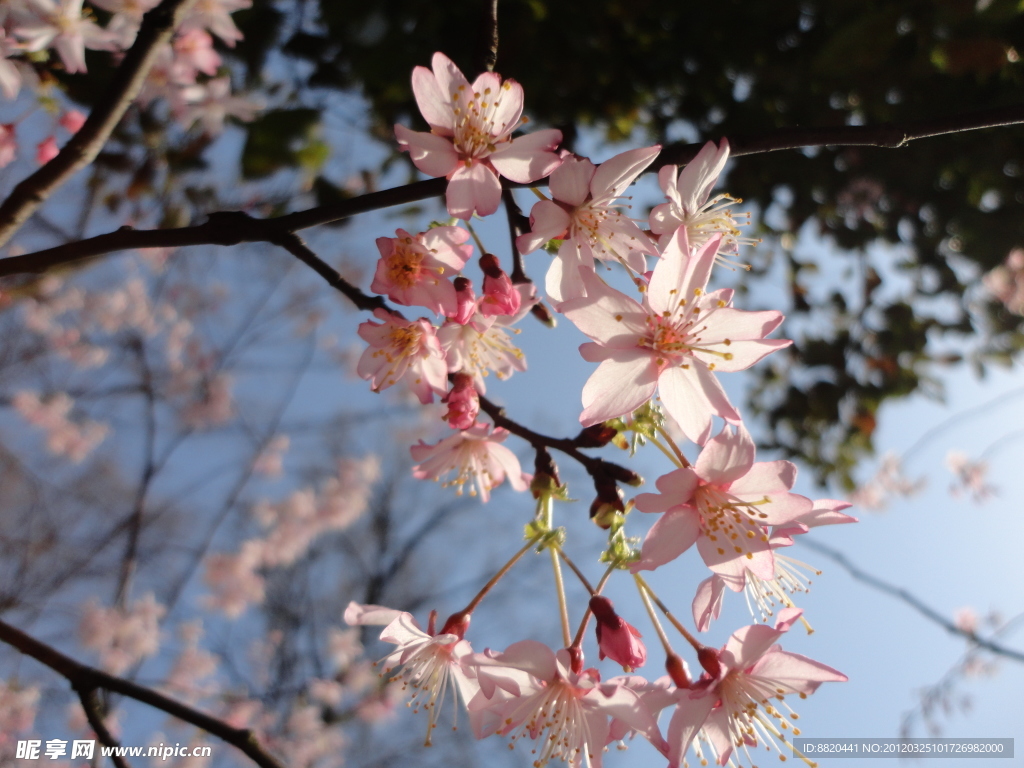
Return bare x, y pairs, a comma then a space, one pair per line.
156, 29
901, 594
84, 678
217, 232
489, 38
93, 713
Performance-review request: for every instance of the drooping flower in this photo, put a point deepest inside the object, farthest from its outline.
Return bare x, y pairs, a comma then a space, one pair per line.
740, 699
790, 576
481, 346
585, 215
617, 639
463, 402
476, 456
500, 296
432, 663
66, 28
672, 343
413, 269
470, 140
688, 205
529, 690
723, 504
402, 349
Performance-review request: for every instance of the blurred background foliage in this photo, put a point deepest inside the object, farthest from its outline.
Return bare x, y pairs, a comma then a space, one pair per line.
876, 325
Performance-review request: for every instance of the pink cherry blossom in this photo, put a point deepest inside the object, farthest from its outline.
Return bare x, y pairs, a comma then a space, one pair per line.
122, 636
10, 76
413, 269
739, 701
470, 140
969, 476
215, 16
18, 705
1006, 282
234, 579
500, 296
72, 121
476, 456
465, 300
480, 347
585, 215
212, 103
617, 639
722, 504
790, 576
66, 28
529, 690
688, 204
8, 145
432, 664
400, 349
46, 150
672, 343
463, 402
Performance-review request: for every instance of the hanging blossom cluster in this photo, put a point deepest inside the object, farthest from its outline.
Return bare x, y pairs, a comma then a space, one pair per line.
659, 352
55, 34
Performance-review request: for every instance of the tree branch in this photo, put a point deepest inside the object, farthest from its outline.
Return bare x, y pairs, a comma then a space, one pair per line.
901, 594
84, 678
93, 713
216, 231
157, 27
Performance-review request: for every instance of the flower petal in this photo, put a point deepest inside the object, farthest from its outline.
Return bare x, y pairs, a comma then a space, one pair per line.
528, 157
434, 155
473, 189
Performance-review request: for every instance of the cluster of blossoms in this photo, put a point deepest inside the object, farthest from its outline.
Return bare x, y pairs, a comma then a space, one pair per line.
36, 35
658, 355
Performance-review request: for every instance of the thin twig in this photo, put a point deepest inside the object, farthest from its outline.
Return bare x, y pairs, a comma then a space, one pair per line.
87, 678
157, 27
93, 713
214, 231
489, 37
901, 594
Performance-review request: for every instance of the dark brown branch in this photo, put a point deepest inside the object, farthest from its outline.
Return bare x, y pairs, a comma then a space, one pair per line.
901, 594
489, 37
213, 232
156, 29
598, 468
84, 678
93, 713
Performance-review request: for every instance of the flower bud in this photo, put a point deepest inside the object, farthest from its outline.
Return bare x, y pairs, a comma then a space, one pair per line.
596, 436
676, 669
463, 402
500, 296
466, 300
708, 658
616, 638
456, 624
575, 658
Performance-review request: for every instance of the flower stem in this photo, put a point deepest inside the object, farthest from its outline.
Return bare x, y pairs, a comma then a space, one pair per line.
672, 457
578, 640
640, 585
697, 645
499, 575
476, 238
579, 574
563, 608
679, 454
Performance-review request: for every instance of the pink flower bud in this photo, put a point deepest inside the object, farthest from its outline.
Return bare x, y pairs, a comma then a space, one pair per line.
72, 121
466, 298
463, 402
500, 296
676, 669
617, 639
46, 150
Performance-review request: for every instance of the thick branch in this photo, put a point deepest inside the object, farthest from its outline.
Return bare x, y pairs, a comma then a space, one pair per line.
598, 468
157, 27
901, 594
83, 678
213, 231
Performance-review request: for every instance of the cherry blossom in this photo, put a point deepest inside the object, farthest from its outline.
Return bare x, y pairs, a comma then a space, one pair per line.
1006, 282
8, 145
617, 639
480, 347
739, 701
122, 636
529, 690
763, 595
723, 504
212, 103
127, 16
585, 215
18, 706
46, 150
64, 27
413, 269
470, 140
401, 349
72, 121
10, 76
234, 579
476, 456
672, 343
500, 296
688, 204
215, 16
432, 663
970, 476
463, 402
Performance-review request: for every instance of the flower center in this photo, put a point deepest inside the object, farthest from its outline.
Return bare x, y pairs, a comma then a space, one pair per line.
477, 133
405, 263
731, 524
